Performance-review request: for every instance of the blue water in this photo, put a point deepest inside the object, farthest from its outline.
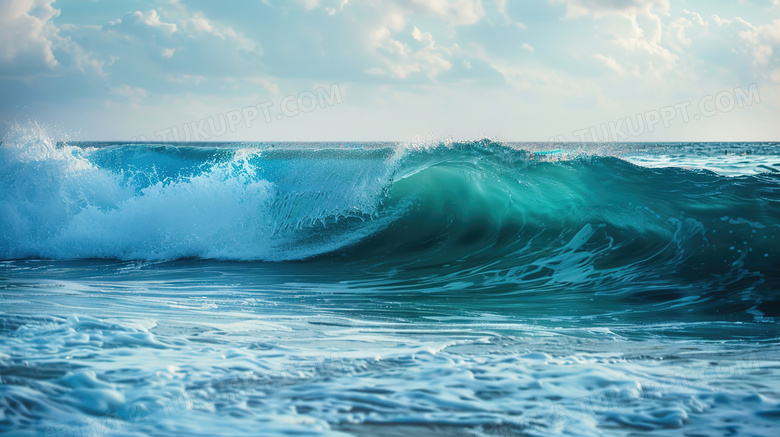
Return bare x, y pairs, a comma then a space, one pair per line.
388, 289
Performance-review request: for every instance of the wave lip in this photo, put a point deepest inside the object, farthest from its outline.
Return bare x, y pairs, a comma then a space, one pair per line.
166, 202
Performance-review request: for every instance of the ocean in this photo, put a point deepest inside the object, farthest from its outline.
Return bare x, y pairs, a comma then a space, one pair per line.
431, 288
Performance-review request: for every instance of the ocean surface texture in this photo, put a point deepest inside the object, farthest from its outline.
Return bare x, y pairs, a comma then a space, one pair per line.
418, 289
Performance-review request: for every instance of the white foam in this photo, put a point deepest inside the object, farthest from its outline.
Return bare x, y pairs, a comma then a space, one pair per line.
55, 203
731, 165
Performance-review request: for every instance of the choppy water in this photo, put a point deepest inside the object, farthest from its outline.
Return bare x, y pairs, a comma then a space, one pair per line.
454, 289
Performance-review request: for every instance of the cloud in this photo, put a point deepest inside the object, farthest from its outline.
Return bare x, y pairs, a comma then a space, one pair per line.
611, 63
150, 26
26, 33
402, 61
308, 4
754, 49
270, 85
542, 80
455, 12
31, 44
199, 23
172, 41
128, 91
598, 8
764, 41
376, 71
395, 13
646, 37
601, 52
681, 25
135, 23
635, 29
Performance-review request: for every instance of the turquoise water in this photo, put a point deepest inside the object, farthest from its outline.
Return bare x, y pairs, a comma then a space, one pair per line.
453, 289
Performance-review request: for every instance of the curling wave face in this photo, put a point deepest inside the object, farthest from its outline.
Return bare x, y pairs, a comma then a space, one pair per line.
478, 214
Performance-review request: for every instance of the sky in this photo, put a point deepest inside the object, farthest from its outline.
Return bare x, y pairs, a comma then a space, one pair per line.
394, 70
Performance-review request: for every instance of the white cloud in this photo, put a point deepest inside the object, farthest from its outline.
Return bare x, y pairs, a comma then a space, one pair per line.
695, 17
395, 13
646, 37
501, 8
680, 25
537, 79
775, 76
611, 63
200, 23
605, 54
139, 24
636, 29
309, 4
172, 42
129, 92
26, 32
760, 43
187, 79
269, 85
736, 21
764, 41
423, 37
402, 61
31, 43
29, 40
598, 8
455, 12
138, 21
152, 19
